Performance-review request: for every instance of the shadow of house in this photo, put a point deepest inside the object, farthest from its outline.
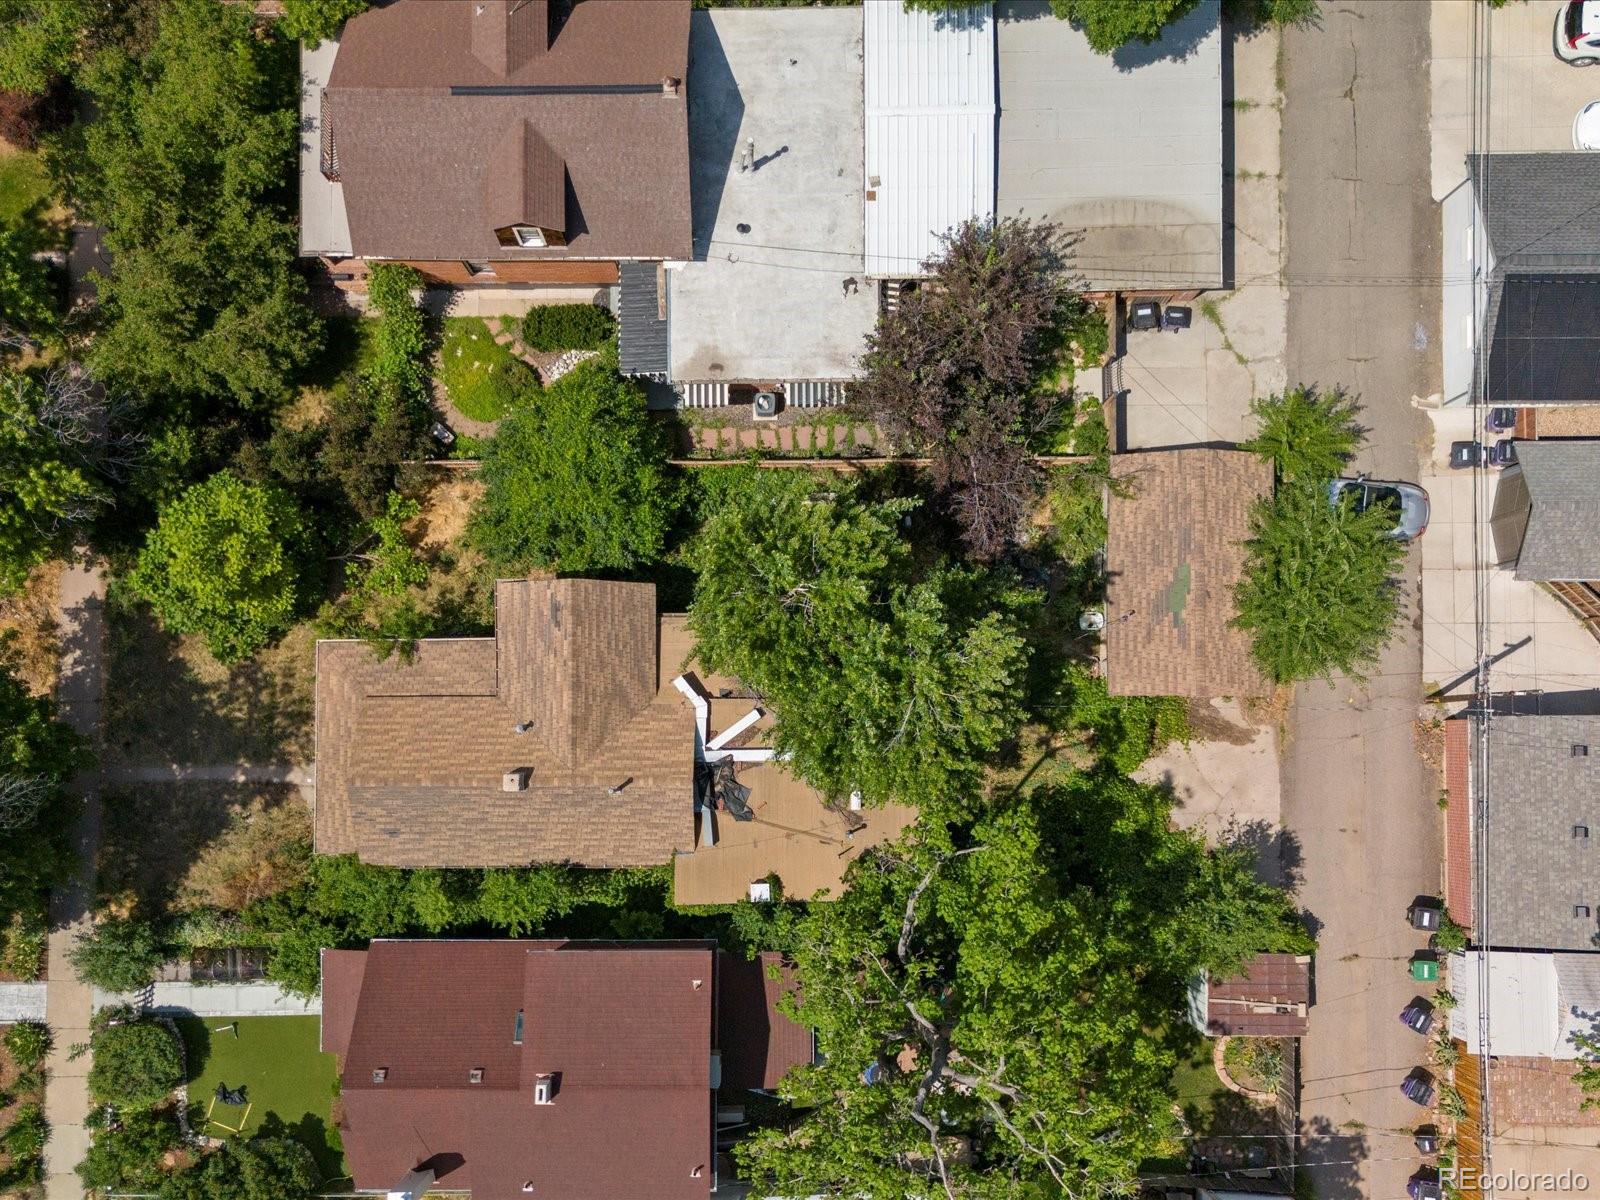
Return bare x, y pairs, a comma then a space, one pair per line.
716, 112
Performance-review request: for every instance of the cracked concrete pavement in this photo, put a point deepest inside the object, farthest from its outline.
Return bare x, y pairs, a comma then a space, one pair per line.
1196, 386
1362, 269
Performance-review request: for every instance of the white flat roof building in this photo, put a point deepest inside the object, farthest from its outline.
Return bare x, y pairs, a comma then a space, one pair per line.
930, 129
1536, 1001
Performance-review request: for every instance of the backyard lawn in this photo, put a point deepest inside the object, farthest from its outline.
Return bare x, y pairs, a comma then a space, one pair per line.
276, 1062
484, 380
23, 184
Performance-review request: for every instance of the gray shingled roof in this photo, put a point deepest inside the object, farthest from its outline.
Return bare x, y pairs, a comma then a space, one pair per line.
1538, 871
1563, 485
1541, 211
642, 346
1541, 214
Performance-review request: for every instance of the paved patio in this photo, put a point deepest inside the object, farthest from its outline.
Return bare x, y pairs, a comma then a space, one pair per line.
1534, 95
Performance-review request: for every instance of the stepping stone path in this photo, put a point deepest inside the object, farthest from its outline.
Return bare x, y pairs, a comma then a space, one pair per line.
736, 440
507, 332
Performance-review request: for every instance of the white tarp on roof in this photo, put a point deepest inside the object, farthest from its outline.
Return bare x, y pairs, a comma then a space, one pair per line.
1526, 1010
930, 129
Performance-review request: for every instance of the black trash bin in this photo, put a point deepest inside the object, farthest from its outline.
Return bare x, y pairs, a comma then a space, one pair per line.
1144, 314
1177, 316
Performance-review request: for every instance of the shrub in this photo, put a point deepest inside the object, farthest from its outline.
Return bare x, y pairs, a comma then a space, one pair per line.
264, 850
224, 561
23, 948
24, 117
1308, 436
128, 1151
119, 954
400, 340
25, 1137
579, 481
137, 1063
567, 327
28, 1042
1450, 937
484, 380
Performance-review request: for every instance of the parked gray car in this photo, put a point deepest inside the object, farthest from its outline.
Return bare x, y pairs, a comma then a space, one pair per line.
1407, 501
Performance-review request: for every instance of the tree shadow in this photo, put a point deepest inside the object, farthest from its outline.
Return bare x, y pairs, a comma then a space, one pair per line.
1276, 851
1331, 1157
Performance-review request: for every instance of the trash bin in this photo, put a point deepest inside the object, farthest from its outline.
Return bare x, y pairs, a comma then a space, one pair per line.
1144, 314
1424, 970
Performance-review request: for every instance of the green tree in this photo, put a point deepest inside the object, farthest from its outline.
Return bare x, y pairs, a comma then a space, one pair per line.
119, 954
1307, 435
27, 290
260, 1168
187, 169
40, 40
400, 342
1109, 24
312, 20
37, 755
578, 481
1319, 593
137, 1063
27, 1042
47, 491
989, 1015
224, 561
378, 603
127, 1152
884, 681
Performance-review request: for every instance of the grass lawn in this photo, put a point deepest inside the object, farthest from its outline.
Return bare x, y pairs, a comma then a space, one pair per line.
284, 1076
23, 184
483, 380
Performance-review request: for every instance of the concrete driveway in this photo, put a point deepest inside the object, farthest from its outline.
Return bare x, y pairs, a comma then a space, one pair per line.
1362, 266
1533, 96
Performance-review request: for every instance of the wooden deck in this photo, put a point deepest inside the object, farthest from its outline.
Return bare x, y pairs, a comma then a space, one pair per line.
1469, 1129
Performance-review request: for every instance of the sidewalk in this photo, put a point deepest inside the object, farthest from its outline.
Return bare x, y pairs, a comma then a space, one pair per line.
255, 999
68, 1001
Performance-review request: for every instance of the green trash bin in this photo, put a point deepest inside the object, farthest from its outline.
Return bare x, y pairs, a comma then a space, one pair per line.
1424, 970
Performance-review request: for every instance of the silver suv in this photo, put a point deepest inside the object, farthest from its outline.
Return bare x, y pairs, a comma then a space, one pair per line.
1577, 36
1406, 501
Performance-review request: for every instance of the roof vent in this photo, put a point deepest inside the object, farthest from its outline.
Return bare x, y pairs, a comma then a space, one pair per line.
1580, 831
515, 780
695, 1174
379, 1074
544, 1089
670, 85
475, 1075
1579, 751
1581, 911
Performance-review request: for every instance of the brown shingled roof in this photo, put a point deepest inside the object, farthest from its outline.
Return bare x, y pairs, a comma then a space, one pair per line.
1268, 998
411, 755
426, 167
624, 1028
1174, 552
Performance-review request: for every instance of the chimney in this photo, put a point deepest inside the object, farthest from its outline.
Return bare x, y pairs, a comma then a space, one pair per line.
516, 779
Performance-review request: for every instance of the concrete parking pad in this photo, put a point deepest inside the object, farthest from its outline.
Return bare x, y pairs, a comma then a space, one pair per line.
1534, 96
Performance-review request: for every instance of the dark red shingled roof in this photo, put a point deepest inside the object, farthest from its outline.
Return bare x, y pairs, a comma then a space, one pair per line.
1248, 1004
624, 1030
759, 1044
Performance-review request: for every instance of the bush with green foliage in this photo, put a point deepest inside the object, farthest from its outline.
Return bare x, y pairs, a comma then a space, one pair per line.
567, 327
48, 493
1124, 730
119, 954
24, 1138
1451, 937
579, 480
886, 678
29, 295
40, 39
312, 20
128, 1150
1308, 436
188, 167
378, 602
225, 561
27, 1042
482, 379
257, 1168
397, 367
23, 944
1319, 592
137, 1061
1110, 24
38, 754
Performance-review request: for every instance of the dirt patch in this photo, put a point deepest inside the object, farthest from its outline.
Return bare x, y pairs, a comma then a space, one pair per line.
154, 832
29, 618
1428, 732
446, 509
169, 701
1206, 724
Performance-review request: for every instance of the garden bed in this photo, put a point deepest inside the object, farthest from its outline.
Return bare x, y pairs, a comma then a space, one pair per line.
287, 1081
22, 1126
481, 379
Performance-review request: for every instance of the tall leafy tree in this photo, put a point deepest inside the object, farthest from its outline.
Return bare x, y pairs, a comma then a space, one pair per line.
37, 756
1108, 24
41, 39
1307, 435
313, 20
258, 1168
955, 372
27, 290
225, 561
887, 681
137, 1062
48, 489
991, 1011
1319, 592
578, 480
188, 168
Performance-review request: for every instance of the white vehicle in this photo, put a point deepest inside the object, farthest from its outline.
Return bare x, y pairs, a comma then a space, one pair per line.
1577, 35
1586, 128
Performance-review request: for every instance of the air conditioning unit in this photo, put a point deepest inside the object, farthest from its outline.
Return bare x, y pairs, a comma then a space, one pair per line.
765, 406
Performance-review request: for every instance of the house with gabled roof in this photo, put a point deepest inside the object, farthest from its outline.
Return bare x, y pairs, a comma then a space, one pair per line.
580, 1070
582, 732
